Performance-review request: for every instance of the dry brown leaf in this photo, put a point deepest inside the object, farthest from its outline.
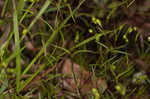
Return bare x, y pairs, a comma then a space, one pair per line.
84, 78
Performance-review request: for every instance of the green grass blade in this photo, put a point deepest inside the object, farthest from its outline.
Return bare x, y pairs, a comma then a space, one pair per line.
83, 51
71, 12
17, 46
25, 14
30, 79
4, 8
43, 9
90, 39
11, 57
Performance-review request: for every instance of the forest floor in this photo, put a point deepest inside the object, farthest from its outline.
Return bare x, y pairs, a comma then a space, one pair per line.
74, 49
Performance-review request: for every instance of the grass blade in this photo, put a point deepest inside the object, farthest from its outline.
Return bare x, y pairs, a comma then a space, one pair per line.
17, 46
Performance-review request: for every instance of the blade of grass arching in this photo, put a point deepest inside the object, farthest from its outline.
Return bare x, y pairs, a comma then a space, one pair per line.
30, 79
4, 47
83, 51
103, 45
17, 46
25, 14
120, 52
4, 8
51, 39
61, 48
42, 10
44, 7
86, 41
90, 39
108, 61
124, 73
71, 12
47, 24
4, 43
11, 57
